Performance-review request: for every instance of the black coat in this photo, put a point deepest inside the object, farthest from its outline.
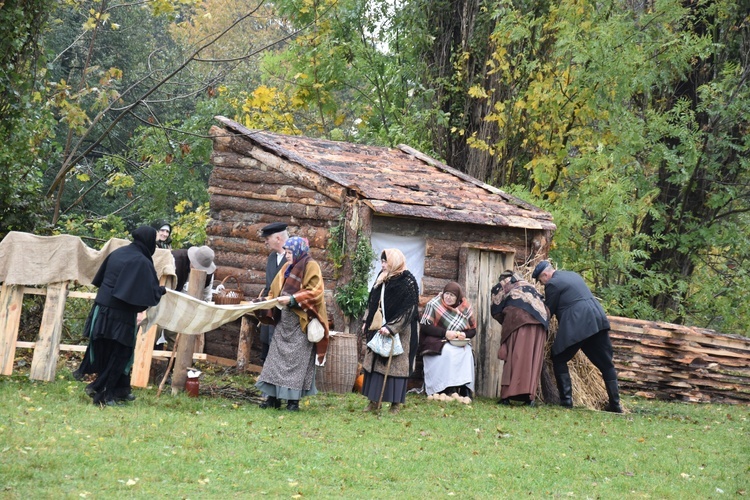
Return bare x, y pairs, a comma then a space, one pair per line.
272, 269
127, 280
579, 314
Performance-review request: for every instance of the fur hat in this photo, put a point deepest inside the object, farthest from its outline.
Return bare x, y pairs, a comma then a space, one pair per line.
202, 258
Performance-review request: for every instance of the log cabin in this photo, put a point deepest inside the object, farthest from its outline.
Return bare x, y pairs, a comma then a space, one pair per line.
450, 226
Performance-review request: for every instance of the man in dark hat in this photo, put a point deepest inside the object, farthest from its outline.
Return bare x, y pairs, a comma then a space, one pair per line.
582, 325
275, 235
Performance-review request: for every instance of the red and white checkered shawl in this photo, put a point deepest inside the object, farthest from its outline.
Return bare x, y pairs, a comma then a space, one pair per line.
305, 284
459, 318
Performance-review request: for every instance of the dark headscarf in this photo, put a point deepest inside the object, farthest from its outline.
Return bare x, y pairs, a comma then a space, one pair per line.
145, 239
158, 225
456, 290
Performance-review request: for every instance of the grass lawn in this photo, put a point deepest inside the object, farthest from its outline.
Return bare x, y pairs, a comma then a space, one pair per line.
55, 444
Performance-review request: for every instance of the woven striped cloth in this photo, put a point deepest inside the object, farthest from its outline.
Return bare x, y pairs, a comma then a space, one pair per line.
179, 312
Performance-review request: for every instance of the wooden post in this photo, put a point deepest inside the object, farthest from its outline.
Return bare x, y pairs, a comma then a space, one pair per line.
186, 345
245, 344
144, 351
47, 348
11, 302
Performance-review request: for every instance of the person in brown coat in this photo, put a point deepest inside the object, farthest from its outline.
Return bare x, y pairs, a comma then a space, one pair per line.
520, 309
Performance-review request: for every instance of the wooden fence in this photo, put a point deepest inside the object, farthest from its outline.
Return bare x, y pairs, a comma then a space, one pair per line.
47, 346
676, 362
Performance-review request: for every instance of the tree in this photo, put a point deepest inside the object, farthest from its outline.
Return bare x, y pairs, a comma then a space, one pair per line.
107, 111
26, 123
631, 127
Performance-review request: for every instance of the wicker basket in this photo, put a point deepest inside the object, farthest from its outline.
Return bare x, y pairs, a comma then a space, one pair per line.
340, 371
229, 296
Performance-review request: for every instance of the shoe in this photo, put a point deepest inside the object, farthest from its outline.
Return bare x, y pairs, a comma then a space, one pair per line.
613, 393
531, 403
504, 401
565, 387
395, 408
271, 402
127, 397
90, 391
371, 407
292, 405
109, 402
77, 375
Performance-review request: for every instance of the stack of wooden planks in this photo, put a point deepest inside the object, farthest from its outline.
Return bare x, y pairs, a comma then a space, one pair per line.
680, 363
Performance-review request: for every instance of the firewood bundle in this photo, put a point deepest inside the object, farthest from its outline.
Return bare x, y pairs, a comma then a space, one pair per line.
681, 363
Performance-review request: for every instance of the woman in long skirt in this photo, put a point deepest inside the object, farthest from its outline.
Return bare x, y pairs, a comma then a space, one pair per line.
128, 285
289, 370
519, 307
392, 310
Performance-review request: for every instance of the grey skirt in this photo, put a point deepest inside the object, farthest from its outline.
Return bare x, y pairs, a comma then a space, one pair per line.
289, 370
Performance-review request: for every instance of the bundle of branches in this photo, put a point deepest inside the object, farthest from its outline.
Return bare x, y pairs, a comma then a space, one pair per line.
588, 386
228, 391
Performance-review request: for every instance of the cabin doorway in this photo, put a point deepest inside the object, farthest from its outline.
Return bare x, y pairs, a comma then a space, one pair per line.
479, 271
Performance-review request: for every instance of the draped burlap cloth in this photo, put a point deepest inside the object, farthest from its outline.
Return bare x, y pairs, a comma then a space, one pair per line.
28, 259
179, 312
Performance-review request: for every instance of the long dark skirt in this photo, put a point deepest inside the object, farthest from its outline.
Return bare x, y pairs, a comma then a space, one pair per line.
113, 362
110, 352
395, 388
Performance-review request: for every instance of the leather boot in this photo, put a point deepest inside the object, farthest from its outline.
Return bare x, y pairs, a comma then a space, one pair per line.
292, 405
565, 386
371, 407
270, 402
614, 396
395, 408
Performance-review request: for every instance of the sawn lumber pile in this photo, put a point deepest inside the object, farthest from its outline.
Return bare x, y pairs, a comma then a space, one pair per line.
680, 363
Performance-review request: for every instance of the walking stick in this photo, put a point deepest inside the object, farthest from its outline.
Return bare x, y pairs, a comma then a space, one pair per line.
385, 377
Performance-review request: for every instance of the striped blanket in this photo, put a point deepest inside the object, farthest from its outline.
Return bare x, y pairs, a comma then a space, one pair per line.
179, 312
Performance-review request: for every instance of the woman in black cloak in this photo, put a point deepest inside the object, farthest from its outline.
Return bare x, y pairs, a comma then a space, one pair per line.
395, 296
127, 284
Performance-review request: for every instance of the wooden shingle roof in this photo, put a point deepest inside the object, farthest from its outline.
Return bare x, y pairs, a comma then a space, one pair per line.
401, 181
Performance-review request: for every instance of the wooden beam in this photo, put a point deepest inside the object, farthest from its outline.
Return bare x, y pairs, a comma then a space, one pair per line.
11, 303
245, 343
185, 344
47, 351
30, 290
144, 349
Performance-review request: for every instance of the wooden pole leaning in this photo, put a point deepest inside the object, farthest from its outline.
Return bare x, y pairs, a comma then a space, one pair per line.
11, 303
47, 348
144, 350
185, 344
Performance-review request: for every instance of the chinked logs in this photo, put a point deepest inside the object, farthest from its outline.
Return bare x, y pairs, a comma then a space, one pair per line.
675, 362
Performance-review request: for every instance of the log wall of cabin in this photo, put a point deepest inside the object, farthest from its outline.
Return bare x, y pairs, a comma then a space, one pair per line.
247, 194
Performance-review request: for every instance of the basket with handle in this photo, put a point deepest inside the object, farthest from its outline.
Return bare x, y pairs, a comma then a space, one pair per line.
229, 296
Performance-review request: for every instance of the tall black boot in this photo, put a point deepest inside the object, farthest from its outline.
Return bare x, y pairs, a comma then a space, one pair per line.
292, 405
614, 396
565, 387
